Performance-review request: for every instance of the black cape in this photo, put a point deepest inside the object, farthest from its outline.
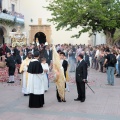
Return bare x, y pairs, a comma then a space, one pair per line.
35, 67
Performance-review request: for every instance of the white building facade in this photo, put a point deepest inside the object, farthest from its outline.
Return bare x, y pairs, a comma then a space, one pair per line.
98, 38
27, 12
10, 18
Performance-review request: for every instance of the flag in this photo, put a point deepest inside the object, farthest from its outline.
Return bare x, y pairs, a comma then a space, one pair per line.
58, 70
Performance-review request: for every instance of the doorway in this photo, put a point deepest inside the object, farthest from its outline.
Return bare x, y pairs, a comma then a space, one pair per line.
41, 37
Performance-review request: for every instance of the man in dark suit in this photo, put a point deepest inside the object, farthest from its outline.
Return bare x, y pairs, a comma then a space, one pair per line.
25, 50
48, 55
81, 77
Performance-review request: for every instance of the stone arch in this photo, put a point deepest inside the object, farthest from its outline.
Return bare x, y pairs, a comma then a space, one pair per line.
41, 37
3, 33
4, 30
14, 30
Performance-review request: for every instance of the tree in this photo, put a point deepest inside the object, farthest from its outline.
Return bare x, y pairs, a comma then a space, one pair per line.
116, 37
92, 15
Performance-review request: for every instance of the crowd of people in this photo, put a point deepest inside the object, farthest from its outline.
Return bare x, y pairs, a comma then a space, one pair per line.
34, 63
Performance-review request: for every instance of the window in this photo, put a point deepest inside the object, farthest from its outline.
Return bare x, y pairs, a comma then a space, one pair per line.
13, 8
1, 5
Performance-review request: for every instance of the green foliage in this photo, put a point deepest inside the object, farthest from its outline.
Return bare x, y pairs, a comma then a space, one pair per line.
9, 22
94, 15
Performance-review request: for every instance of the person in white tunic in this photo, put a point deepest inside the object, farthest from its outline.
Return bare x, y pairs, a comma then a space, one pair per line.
46, 71
35, 83
23, 69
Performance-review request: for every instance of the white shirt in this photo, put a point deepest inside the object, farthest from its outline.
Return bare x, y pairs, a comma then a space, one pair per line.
97, 53
48, 52
22, 58
61, 62
81, 60
117, 58
45, 66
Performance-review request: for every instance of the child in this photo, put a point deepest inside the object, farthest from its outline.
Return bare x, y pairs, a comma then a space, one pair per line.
46, 71
10, 61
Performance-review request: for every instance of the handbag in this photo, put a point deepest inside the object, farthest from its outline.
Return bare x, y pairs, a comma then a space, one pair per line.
2, 64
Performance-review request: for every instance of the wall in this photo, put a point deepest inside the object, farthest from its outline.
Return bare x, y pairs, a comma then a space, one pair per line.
99, 39
34, 9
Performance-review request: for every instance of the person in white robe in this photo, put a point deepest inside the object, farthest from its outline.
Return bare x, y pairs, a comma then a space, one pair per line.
23, 70
35, 82
46, 71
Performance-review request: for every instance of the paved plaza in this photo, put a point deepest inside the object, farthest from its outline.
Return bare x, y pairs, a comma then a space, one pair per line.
103, 105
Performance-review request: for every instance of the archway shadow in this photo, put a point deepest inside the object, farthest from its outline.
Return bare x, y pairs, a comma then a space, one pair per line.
1, 36
41, 37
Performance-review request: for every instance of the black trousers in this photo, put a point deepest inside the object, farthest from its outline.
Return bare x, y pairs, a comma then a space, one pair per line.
36, 101
81, 90
57, 95
101, 66
11, 71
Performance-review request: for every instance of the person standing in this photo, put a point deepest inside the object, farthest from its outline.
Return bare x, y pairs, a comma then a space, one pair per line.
59, 76
23, 69
81, 77
10, 62
64, 62
71, 55
110, 62
35, 82
48, 55
46, 71
65, 66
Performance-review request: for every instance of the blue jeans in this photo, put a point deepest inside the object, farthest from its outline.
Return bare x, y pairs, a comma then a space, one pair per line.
110, 75
119, 67
117, 70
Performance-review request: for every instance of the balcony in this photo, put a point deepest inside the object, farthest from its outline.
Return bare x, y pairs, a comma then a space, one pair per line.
14, 17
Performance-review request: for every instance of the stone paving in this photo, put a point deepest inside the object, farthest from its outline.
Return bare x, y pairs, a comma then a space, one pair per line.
103, 105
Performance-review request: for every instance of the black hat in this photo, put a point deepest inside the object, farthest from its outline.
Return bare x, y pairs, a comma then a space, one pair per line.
36, 54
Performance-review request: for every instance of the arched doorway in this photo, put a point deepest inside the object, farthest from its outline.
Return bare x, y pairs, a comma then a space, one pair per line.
41, 37
14, 30
1, 36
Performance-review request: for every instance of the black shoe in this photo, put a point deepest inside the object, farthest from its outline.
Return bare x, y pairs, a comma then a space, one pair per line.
77, 99
82, 100
59, 100
117, 76
63, 100
26, 94
10, 82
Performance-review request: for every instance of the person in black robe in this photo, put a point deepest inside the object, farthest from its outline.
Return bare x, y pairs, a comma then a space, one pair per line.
35, 83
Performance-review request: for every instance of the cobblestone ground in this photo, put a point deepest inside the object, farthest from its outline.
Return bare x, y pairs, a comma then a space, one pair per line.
103, 105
